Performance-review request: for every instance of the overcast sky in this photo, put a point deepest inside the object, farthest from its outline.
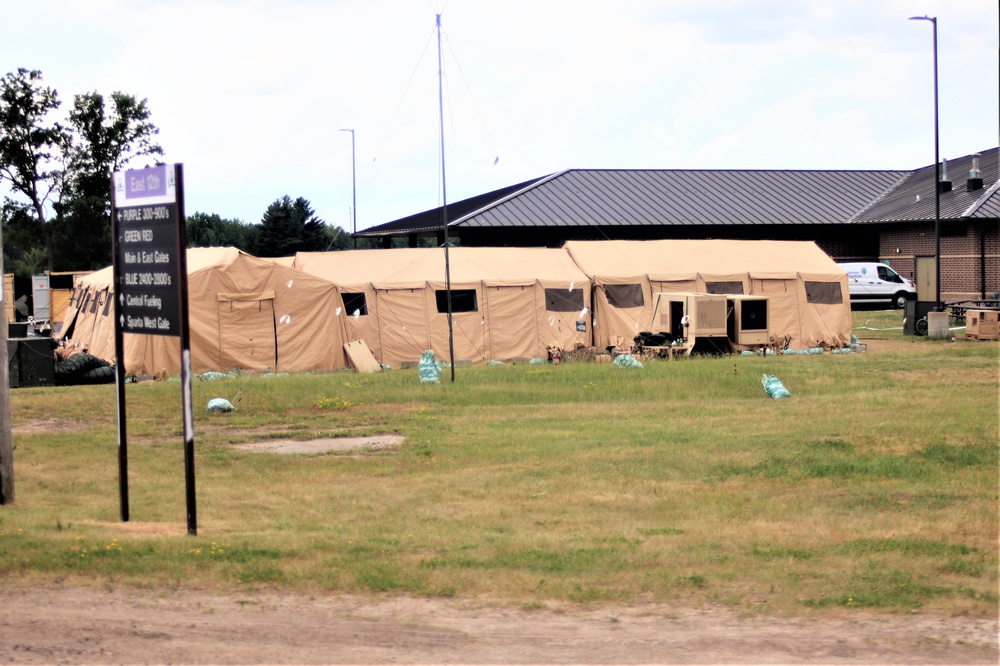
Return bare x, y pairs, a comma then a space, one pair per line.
250, 95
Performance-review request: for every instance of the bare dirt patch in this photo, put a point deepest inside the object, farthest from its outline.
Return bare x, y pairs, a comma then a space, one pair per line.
88, 626
368, 444
39, 426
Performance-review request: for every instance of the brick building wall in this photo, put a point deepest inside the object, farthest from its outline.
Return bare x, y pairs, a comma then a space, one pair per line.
850, 248
962, 248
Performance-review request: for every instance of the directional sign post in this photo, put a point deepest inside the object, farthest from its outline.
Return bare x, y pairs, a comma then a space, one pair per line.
150, 274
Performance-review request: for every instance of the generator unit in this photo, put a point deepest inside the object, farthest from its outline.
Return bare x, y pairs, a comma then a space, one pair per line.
748, 321
692, 319
714, 322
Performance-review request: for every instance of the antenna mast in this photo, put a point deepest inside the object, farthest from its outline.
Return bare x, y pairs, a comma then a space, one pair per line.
444, 206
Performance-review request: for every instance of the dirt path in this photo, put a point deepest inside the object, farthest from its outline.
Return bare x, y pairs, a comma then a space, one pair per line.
85, 626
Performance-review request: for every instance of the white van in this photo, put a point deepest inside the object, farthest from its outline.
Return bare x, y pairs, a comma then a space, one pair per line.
870, 282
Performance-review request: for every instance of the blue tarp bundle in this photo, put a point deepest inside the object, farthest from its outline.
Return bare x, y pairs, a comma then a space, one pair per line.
773, 387
626, 361
220, 405
430, 371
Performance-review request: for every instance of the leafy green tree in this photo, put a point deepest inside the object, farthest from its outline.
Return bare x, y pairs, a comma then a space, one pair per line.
62, 170
289, 227
32, 148
23, 244
106, 138
337, 238
204, 230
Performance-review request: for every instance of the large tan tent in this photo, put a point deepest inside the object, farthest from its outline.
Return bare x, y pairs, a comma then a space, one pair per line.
244, 312
808, 300
506, 302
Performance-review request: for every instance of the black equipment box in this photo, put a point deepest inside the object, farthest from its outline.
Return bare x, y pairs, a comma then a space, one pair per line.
915, 317
30, 362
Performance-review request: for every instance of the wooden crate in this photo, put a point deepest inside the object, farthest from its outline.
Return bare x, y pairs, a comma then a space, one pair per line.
982, 324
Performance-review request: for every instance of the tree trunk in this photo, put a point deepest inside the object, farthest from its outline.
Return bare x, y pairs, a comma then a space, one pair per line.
47, 234
6, 441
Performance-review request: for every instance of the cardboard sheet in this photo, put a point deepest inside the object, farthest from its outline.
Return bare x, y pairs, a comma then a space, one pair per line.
361, 356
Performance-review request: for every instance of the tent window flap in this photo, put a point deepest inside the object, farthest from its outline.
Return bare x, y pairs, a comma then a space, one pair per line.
624, 295
355, 302
724, 287
462, 300
563, 300
824, 293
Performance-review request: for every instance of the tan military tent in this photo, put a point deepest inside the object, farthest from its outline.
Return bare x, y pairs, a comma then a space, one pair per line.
506, 302
244, 312
808, 300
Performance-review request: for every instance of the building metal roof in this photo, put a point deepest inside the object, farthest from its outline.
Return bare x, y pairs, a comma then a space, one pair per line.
912, 200
672, 197
588, 197
988, 205
430, 220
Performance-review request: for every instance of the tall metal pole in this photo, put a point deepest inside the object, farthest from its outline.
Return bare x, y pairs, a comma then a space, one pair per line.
444, 206
185, 336
121, 403
354, 190
937, 172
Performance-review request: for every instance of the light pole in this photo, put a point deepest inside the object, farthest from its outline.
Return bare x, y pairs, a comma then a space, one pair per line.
354, 190
937, 172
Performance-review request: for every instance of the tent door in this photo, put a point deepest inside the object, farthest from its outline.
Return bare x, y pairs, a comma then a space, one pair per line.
514, 329
247, 335
405, 331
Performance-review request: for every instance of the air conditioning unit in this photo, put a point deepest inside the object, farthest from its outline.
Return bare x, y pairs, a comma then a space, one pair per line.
690, 316
708, 314
748, 323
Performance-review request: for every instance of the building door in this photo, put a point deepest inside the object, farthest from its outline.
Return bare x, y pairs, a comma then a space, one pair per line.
926, 279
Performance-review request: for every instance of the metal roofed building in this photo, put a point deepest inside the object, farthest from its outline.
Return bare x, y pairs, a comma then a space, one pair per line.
850, 214
970, 225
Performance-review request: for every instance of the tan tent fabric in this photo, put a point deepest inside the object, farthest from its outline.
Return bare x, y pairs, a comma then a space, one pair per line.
282, 261
244, 312
507, 302
512, 317
776, 269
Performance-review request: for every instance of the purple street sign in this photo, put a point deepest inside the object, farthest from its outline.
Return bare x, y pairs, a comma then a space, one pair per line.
145, 183
147, 250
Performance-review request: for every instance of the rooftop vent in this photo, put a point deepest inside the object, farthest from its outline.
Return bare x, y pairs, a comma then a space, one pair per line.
944, 185
975, 181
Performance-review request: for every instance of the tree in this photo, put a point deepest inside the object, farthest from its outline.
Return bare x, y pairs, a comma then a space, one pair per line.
289, 227
32, 149
338, 239
64, 168
204, 230
23, 243
105, 140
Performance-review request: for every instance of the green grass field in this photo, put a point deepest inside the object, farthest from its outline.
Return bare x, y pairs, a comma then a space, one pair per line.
874, 486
